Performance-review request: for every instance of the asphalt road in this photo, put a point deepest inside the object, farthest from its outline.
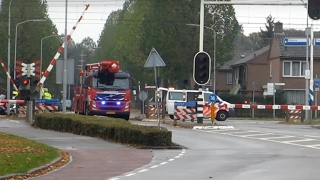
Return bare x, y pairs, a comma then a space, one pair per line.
253, 150
92, 158
258, 150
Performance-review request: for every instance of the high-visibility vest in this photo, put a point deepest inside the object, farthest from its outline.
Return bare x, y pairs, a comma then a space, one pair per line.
47, 95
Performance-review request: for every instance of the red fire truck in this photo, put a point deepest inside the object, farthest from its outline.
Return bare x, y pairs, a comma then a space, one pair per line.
104, 90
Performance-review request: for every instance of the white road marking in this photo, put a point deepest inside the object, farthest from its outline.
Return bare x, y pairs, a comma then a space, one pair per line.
131, 174
263, 134
274, 139
300, 140
163, 163
143, 170
14, 121
279, 137
312, 136
183, 151
242, 132
314, 145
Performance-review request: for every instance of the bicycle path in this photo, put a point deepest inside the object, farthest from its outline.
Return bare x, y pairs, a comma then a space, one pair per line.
92, 158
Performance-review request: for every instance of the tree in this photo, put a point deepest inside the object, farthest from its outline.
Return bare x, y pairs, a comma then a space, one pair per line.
132, 32
29, 34
267, 34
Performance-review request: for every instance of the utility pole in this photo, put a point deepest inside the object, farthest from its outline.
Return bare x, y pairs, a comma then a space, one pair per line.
64, 90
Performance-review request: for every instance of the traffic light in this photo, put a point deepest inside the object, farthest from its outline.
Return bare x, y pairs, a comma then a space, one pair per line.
314, 9
201, 68
25, 83
24, 94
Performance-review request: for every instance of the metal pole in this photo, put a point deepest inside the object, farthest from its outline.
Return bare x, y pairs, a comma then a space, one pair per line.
307, 112
214, 61
41, 59
311, 72
316, 99
274, 101
253, 89
15, 52
156, 98
40, 91
201, 25
9, 45
16, 39
64, 107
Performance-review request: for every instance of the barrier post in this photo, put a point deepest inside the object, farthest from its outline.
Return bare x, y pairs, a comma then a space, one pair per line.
30, 112
213, 112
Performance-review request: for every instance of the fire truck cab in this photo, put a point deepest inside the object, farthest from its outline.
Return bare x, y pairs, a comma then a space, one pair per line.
104, 90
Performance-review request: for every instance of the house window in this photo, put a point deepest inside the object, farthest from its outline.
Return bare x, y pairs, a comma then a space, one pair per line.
229, 78
294, 68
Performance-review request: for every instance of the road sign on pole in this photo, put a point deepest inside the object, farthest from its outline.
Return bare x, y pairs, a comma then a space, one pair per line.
213, 98
291, 41
316, 42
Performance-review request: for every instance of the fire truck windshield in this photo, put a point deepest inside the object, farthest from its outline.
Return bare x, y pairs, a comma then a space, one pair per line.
118, 84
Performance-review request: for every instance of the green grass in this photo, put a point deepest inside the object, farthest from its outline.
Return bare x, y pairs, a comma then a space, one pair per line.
19, 155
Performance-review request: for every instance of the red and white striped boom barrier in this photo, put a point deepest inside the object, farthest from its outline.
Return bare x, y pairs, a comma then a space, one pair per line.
283, 107
12, 101
54, 60
8, 74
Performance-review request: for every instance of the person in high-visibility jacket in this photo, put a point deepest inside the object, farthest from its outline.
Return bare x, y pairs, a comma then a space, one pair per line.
46, 94
15, 94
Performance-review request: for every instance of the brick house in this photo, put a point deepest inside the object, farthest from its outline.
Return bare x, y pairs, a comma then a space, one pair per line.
246, 71
274, 63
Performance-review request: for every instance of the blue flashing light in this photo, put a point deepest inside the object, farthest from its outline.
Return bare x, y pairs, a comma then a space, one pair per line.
103, 102
118, 103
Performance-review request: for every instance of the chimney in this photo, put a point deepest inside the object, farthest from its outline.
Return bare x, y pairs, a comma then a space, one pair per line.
278, 27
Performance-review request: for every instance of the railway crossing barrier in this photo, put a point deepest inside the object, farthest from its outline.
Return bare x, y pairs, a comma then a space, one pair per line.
151, 109
41, 105
185, 111
294, 115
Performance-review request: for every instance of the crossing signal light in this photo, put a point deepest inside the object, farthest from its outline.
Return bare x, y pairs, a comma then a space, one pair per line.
25, 83
201, 68
314, 9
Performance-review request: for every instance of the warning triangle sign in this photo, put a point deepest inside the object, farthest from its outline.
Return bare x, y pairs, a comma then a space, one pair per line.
154, 60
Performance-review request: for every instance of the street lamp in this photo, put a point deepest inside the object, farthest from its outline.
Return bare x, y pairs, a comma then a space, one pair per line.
16, 39
214, 53
8, 79
53, 35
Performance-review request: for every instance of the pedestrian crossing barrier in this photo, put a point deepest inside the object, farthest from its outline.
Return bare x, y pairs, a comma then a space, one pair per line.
185, 111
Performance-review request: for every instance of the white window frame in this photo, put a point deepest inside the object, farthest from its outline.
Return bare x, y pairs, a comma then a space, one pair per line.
228, 74
300, 66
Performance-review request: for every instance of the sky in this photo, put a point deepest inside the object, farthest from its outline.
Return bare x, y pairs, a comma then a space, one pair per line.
252, 17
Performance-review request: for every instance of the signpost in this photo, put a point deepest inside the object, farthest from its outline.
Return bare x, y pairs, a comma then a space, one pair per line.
154, 60
296, 41
316, 42
143, 96
272, 91
213, 100
305, 42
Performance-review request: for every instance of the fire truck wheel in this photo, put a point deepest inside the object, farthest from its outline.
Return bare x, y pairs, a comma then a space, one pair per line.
126, 117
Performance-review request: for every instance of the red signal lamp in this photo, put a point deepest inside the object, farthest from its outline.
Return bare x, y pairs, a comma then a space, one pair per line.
25, 82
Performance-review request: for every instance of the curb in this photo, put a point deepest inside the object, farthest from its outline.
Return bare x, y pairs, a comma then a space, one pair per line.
173, 146
33, 170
